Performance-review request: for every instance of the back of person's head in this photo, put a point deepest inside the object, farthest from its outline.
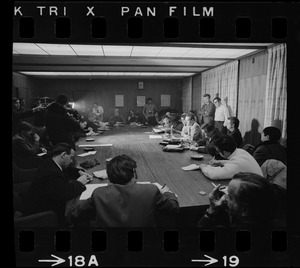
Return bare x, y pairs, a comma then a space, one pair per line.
62, 100
208, 127
256, 197
60, 148
234, 120
121, 169
24, 127
273, 132
225, 143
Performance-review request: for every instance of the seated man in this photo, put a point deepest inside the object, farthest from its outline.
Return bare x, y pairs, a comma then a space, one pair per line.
195, 132
238, 161
233, 130
125, 203
51, 188
116, 118
92, 123
270, 148
138, 118
249, 201
84, 131
26, 147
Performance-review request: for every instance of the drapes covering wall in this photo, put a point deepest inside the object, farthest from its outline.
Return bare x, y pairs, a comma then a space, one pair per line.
276, 90
222, 81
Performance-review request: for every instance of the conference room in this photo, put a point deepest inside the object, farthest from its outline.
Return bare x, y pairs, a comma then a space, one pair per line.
248, 78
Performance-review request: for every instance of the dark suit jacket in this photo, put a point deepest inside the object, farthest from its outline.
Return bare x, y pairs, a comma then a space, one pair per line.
59, 125
17, 116
130, 205
50, 190
237, 136
267, 150
208, 113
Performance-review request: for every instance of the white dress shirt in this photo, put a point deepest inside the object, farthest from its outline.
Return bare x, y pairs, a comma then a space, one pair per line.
222, 114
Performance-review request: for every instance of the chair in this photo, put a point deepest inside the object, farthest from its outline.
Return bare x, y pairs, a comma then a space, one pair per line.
41, 219
23, 175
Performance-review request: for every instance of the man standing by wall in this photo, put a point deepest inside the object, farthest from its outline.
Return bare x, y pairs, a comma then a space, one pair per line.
221, 115
207, 113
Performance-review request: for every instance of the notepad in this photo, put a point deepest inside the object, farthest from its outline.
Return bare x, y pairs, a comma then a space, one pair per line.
101, 174
191, 167
95, 145
155, 137
86, 154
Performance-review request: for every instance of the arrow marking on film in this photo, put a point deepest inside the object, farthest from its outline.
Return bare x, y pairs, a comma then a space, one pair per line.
209, 262
56, 262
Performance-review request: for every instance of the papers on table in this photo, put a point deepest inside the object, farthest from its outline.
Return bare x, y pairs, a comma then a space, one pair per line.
90, 189
41, 154
94, 145
173, 146
101, 174
191, 167
155, 137
86, 154
156, 130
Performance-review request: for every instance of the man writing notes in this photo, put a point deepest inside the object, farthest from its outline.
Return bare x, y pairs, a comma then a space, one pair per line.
221, 115
238, 160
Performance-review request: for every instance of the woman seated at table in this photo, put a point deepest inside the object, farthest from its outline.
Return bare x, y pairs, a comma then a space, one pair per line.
125, 203
249, 202
26, 147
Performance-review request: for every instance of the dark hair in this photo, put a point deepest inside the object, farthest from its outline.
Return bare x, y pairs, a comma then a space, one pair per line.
217, 98
121, 169
257, 195
225, 143
183, 115
191, 116
208, 127
61, 147
149, 99
24, 126
235, 121
62, 99
206, 95
82, 120
273, 132
192, 111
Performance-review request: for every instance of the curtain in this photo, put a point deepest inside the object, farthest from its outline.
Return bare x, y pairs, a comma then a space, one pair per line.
222, 82
276, 90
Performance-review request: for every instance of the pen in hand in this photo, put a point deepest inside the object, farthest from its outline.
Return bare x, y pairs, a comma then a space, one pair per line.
163, 186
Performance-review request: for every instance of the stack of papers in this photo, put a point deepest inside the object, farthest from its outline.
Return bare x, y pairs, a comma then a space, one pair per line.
191, 167
86, 154
94, 145
155, 137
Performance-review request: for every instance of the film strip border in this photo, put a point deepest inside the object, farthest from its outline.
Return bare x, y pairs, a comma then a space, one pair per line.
154, 247
152, 22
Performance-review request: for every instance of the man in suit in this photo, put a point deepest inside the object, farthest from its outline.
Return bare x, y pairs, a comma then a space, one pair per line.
125, 203
233, 130
207, 112
51, 187
59, 125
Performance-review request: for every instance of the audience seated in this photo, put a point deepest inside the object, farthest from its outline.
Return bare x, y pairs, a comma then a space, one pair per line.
116, 118
233, 130
18, 115
59, 125
25, 147
238, 160
270, 148
51, 188
125, 203
249, 201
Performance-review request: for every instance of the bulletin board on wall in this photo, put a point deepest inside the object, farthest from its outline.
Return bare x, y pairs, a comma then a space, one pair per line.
140, 101
119, 100
165, 100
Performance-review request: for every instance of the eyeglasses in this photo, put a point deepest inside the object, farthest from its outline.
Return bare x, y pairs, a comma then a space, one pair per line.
216, 102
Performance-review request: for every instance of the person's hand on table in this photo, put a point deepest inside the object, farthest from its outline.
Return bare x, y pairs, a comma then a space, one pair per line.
215, 163
44, 150
161, 188
202, 166
85, 178
193, 147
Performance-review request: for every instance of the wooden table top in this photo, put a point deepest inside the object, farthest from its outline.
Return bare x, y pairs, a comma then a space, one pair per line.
153, 164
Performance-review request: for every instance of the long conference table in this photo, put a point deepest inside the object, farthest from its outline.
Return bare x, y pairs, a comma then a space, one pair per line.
153, 164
